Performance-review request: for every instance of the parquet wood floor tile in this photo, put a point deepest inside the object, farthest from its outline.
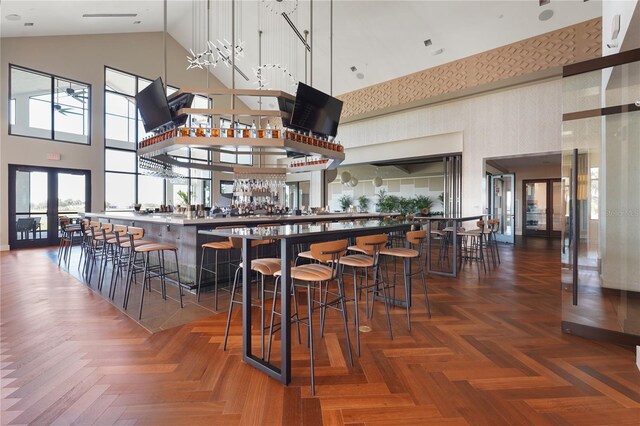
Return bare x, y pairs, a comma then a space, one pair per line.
492, 354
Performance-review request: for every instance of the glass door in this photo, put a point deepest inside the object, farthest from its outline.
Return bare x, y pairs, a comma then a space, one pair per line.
31, 217
38, 196
601, 153
502, 206
542, 207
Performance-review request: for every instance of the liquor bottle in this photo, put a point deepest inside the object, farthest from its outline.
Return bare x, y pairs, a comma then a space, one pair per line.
268, 132
238, 131
253, 129
275, 133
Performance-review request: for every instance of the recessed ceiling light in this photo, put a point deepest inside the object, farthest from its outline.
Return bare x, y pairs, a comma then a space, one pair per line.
437, 52
359, 76
28, 24
428, 42
543, 2
109, 15
12, 17
545, 15
353, 68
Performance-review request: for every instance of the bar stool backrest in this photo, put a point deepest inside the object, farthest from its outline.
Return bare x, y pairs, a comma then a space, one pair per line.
416, 237
372, 244
120, 229
136, 232
94, 224
330, 251
236, 243
106, 228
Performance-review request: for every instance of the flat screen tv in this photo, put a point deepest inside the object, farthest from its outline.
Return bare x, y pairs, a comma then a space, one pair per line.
153, 106
177, 102
316, 111
286, 105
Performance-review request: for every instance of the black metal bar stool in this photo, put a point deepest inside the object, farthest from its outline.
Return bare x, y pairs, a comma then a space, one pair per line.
317, 276
414, 240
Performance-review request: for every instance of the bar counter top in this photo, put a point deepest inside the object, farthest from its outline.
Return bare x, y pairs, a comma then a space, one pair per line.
175, 219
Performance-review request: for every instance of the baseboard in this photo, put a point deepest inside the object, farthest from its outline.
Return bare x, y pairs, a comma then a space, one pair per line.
4, 248
600, 334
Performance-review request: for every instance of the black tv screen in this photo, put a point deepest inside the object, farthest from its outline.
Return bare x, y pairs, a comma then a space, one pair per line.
316, 111
286, 106
177, 102
153, 106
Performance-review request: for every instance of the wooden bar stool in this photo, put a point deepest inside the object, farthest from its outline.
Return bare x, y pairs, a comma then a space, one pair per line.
265, 267
414, 240
217, 247
157, 271
370, 246
312, 277
124, 257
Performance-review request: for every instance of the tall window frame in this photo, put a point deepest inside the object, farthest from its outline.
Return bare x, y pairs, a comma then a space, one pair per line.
132, 84
60, 113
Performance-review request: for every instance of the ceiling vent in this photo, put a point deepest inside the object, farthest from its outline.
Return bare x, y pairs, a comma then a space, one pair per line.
109, 15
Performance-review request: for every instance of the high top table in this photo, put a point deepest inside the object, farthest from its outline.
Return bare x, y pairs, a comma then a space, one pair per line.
288, 236
456, 220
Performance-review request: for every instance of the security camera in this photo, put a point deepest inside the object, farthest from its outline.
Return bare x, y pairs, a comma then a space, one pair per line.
637, 103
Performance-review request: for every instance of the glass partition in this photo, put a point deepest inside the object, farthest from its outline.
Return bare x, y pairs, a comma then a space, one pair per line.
601, 200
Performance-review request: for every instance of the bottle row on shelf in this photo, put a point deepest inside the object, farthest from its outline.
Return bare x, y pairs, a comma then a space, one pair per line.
248, 133
309, 139
308, 162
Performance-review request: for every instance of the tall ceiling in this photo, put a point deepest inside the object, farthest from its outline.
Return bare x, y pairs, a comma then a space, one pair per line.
381, 39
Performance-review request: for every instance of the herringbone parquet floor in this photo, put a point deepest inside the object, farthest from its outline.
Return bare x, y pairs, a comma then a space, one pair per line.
492, 354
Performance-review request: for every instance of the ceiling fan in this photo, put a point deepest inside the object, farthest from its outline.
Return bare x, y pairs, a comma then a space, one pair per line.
64, 111
79, 95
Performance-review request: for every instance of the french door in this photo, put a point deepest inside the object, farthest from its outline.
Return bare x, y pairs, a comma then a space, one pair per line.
502, 205
38, 196
542, 207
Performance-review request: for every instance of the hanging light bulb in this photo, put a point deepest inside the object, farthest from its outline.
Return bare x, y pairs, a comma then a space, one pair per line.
345, 177
353, 182
377, 181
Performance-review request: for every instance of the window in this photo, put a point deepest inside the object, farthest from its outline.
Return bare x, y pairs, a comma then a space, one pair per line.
12, 112
123, 129
48, 107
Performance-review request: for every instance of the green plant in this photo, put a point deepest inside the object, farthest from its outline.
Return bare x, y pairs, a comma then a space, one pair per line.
406, 206
345, 202
363, 203
183, 197
441, 198
422, 203
382, 194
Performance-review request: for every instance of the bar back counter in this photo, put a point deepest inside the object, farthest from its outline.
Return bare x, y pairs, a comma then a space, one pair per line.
183, 232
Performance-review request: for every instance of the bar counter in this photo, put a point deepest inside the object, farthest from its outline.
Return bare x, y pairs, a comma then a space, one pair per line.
182, 232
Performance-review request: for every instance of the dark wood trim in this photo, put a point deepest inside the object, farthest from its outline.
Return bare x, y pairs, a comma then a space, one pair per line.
598, 112
600, 63
600, 334
549, 232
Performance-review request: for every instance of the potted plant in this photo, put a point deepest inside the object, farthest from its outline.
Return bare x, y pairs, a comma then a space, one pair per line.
406, 206
183, 197
345, 202
363, 203
423, 204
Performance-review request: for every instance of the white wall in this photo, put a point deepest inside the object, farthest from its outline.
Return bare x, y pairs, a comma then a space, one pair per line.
515, 121
82, 58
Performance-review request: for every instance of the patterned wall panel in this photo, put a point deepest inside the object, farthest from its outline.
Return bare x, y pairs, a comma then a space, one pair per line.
554, 49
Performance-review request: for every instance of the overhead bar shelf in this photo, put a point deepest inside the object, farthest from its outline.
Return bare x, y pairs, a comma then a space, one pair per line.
290, 143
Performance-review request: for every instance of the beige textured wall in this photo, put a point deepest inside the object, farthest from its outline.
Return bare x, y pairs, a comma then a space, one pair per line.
543, 52
82, 58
